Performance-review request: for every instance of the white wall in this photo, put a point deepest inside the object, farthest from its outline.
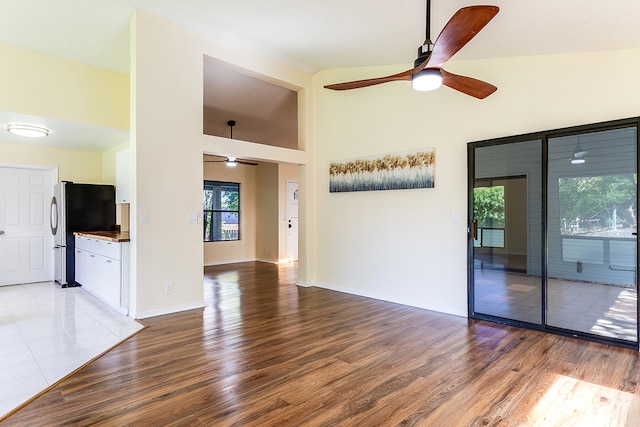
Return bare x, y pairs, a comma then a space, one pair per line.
410, 246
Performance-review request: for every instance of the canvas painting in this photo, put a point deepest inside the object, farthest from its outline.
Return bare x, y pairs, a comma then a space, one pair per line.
399, 171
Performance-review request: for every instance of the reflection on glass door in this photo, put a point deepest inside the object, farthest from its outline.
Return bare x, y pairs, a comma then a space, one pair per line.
592, 233
506, 251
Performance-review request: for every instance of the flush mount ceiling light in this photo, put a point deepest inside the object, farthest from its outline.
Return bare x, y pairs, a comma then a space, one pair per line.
27, 130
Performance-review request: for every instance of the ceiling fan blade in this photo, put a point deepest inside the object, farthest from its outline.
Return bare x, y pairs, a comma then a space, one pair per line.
467, 85
244, 162
461, 28
214, 161
405, 75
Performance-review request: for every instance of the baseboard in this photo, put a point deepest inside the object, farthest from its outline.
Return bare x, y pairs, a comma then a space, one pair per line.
207, 264
305, 284
379, 297
270, 261
168, 310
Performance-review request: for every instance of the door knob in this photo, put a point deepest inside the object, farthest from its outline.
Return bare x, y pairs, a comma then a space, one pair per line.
1, 232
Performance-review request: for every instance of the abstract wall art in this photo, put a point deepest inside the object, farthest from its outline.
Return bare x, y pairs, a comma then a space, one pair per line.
397, 171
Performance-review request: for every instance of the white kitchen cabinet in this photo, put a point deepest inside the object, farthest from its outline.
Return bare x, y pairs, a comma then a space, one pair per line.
81, 265
102, 268
123, 194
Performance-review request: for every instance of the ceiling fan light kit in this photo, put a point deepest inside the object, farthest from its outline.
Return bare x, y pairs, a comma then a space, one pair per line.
461, 28
427, 80
579, 154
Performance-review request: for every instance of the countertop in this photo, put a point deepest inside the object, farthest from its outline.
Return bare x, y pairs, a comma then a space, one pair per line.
112, 236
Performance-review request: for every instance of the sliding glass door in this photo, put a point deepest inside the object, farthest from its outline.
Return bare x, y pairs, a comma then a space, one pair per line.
591, 233
506, 251
553, 231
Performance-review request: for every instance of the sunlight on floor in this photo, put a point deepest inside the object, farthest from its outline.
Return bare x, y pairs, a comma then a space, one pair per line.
584, 404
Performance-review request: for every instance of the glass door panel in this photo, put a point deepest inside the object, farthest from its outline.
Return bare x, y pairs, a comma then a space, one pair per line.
507, 245
592, 233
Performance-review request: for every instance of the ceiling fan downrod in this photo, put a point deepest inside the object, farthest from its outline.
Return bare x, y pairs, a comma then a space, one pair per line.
231, 124
424, 51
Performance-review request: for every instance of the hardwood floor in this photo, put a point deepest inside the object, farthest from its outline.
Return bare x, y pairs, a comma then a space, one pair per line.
265, 352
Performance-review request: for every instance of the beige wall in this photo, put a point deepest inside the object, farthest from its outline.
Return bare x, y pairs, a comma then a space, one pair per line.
267, 225
73, 165
43, 85
410, 246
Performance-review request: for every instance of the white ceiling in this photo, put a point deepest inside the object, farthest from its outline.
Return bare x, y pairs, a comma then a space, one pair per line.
317, 34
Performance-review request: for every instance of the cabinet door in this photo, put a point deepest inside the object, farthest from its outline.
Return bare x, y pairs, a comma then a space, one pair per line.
106, 248
89, 273
109, 271
81, 266
122, 177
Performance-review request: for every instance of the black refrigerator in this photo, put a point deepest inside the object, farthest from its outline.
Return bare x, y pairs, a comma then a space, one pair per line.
78, 207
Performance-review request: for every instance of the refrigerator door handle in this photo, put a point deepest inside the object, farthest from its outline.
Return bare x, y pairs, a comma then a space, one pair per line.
54, 216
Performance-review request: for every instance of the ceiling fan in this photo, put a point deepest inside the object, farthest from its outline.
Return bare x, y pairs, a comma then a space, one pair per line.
428, 73
579, 154
232, 161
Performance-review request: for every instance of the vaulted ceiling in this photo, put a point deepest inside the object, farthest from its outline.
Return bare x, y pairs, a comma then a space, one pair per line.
313, 35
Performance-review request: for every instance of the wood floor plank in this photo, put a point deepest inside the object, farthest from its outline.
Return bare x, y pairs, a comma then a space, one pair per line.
265, 352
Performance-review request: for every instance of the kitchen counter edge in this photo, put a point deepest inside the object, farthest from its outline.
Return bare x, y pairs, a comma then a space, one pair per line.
112, 236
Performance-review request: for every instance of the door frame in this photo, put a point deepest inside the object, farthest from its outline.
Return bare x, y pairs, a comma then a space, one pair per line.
544, 137
288, 213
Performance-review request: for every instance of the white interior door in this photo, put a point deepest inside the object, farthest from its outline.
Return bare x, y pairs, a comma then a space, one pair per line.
26, 242
292, 220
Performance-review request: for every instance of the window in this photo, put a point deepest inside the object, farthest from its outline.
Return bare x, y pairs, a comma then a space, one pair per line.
221, 208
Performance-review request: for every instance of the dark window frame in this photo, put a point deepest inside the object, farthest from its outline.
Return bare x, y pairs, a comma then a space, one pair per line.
213, 232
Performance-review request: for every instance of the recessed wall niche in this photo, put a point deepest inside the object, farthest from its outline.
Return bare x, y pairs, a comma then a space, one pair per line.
264, 113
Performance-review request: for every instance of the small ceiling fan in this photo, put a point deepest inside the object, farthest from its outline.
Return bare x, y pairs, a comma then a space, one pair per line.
232, 161
428, 73
579, 154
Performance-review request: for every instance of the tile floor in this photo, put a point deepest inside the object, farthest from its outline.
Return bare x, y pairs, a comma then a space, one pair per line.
47, 332
595, 308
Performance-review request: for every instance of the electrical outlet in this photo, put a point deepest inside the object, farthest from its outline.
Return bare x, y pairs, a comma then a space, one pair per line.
168, 288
